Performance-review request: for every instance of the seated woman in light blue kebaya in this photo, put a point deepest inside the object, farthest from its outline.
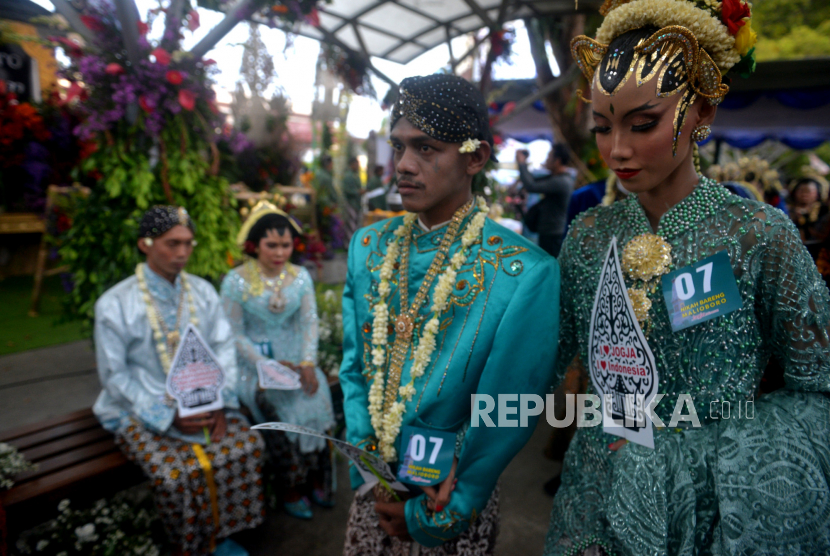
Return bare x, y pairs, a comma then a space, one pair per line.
272, 308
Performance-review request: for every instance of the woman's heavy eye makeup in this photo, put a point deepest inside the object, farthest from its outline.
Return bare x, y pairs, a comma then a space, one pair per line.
644, 126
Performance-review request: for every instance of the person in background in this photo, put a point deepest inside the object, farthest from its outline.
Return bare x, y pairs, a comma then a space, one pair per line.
205, 470
557, 189
352, 190
808, 208
326, 194
375, 183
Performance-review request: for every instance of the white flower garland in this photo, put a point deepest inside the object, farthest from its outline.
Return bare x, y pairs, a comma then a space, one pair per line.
155, 318
710, 31
387, 427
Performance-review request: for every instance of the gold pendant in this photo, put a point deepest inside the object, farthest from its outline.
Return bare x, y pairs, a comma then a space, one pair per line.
277, 303
404, 326
173, 338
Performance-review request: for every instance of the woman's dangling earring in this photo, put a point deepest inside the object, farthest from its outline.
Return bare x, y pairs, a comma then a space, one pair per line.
701, 133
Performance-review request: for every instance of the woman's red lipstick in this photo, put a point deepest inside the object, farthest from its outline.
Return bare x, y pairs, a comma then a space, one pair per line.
626, 174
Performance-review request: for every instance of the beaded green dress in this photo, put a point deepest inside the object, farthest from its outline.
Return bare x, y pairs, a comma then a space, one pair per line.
736, 485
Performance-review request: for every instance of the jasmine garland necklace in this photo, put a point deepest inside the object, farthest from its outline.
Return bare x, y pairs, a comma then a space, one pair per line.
165, 341
385, 410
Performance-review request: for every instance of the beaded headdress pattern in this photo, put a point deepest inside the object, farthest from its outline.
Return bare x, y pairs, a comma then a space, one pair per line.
446, 107
159, 219
696, 43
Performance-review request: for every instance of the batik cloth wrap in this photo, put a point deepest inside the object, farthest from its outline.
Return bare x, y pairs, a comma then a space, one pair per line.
364, 537
504, 302
735, 485
291, 336
203, 493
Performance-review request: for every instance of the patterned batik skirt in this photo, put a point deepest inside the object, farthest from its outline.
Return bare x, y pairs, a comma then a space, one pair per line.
364, 536
203, 493
292, 468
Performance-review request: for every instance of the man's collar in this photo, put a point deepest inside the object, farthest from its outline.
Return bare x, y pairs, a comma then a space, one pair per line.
159, 279
426, 228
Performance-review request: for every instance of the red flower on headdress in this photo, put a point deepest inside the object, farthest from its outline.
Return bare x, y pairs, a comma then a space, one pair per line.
733, 13
249, 248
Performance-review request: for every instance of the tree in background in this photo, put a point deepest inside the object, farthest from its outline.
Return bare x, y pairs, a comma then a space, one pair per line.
568, 116
790, 29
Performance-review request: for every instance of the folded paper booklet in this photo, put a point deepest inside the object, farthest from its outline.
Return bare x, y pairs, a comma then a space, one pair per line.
276, 376
364, 461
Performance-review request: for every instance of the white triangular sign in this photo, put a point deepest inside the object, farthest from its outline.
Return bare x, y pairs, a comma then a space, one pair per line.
195, 379
619, 359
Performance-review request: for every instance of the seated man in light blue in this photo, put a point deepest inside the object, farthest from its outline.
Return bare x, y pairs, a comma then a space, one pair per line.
205, 469
441, 304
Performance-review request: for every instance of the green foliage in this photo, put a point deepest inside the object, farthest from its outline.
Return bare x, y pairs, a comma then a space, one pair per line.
791, 28
800, 42
329, 309
100, 248
778, 18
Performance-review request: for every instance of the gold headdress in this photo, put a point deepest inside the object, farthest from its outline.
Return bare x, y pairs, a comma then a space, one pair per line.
262, 208
697, 41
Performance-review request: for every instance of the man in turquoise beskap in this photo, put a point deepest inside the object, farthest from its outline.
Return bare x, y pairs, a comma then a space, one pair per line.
487, 312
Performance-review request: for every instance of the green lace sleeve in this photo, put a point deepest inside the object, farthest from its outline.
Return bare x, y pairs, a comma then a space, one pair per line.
570, 321
794, 307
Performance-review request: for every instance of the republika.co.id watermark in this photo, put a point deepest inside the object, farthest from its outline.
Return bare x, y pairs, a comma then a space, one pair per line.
515, 410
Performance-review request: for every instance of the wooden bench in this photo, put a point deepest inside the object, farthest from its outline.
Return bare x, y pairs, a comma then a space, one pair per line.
77, 459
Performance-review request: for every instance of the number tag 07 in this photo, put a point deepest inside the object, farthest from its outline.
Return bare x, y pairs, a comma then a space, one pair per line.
428, 457
701, 291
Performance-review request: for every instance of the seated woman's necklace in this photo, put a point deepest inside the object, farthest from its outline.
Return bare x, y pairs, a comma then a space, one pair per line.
276, 303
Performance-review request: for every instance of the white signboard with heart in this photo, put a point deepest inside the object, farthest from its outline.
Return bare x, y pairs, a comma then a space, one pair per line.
620, 361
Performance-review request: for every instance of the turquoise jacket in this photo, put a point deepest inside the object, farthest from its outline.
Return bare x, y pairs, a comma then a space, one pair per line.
498, 336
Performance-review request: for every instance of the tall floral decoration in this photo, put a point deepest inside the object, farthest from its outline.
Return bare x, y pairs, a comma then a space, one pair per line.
156, 126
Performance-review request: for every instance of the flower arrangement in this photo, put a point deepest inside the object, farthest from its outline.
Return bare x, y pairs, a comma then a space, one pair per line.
156, 126
37, 149
501, 44
330, 349
12, 463
273, 14
126, 525
353, 70
162, 84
